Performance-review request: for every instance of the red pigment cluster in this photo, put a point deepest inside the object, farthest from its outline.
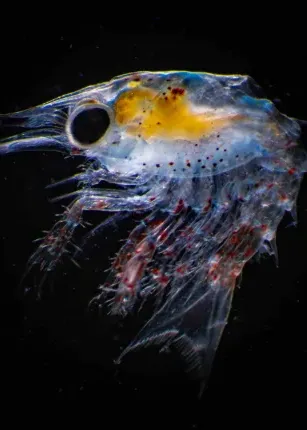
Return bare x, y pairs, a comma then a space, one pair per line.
134, 258
228, 262
222, 269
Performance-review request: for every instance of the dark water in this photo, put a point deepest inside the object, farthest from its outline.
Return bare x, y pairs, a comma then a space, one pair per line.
51, 350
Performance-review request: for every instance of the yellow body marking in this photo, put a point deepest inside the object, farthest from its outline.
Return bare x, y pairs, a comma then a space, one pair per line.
147, 113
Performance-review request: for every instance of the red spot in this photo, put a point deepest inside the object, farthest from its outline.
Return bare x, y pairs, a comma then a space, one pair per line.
151, 199
178, 91
155, 223
151, 246
213, 268
181, 269
283, 197
234, 239
75, 151
208, 205
291, 171
234, 274
180, 206
155, 271
137, 79
163, 279
264, 227
163, 235
144, 248
100, 205
270, 186
187, 232
249, 252
251, 231
171, 163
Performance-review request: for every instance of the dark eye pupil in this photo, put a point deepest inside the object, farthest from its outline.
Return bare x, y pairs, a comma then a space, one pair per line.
90, 125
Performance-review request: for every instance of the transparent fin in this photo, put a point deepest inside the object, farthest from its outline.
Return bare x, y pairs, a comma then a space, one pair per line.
191, 322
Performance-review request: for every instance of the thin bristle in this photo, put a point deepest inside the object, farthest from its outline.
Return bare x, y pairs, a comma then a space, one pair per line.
76, 177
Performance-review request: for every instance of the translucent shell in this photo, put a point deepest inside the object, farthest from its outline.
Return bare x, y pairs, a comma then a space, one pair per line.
209, 164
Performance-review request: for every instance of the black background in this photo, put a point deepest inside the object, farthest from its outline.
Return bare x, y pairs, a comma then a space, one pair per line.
51, 350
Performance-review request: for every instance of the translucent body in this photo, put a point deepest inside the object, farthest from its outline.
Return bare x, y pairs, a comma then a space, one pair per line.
212, 167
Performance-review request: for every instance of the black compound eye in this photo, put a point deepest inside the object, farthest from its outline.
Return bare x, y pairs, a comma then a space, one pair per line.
90, 125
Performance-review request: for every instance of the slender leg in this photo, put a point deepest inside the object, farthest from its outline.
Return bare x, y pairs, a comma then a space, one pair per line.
56, 241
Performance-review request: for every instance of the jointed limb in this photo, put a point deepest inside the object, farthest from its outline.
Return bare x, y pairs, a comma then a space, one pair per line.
55, 243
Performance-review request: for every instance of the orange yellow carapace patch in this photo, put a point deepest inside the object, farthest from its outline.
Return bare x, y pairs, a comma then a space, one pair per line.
147, 113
